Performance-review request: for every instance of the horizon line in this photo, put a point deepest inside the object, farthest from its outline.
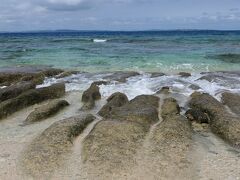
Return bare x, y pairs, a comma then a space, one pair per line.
146, 30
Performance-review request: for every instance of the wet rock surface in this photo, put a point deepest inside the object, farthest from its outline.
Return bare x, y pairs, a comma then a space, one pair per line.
44, 154
121, 76
25, 73
221, 121
232, 101
31, 97
184, 74
46, 111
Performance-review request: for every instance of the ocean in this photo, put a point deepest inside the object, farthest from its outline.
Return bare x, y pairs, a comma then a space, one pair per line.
146, 51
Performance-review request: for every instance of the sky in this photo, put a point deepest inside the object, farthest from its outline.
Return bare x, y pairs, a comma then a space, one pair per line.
27, 15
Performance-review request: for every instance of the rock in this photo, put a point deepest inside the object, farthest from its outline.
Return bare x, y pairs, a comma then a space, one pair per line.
197, 115
90, 96
23, 73
163, 90
115, 100
92, 93
221, 121
170, 107
184, 74
46, 111
15, 90
31, 97
157, 74
121, 76
98, 83
142, 109
194, 87
66, 74
111, 146
45, 153
171, 145
232, 101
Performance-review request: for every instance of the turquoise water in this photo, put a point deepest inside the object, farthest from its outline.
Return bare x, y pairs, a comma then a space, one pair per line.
165, 51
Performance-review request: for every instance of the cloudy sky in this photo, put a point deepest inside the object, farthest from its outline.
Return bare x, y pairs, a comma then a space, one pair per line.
20, 15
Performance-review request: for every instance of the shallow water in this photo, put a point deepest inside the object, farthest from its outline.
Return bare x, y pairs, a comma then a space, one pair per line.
159, 51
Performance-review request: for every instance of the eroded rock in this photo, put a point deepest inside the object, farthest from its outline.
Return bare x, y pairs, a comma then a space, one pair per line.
115, 100
90, 96
46, 111
170, 107
15, 90
197, 115
232, 101
31, 97
221, 121
110, 147
184, 74
45, 153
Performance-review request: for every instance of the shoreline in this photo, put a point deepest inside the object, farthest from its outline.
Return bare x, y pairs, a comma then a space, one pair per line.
168, 119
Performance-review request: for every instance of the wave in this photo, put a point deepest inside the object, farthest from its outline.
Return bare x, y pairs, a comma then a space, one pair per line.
99, 40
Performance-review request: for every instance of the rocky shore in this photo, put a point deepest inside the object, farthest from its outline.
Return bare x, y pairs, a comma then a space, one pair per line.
49, 132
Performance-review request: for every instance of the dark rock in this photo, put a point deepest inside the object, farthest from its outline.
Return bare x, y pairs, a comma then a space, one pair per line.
184, 74
221, 121
121, 76
157, 74
31, 97
15, 90
98, 83
45, 153
232, 101
194, 87
163, 90
46, 111
197, 115
115, 100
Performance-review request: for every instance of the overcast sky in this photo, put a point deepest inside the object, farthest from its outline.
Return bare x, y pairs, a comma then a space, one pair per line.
19, 15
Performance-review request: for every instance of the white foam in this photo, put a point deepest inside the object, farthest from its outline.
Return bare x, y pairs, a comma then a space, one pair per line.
99, 40
144, 84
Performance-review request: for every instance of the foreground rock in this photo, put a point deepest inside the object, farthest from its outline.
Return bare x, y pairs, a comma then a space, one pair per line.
109, 149
46, 152
31, 97
232, 101
121, 76
221, 121
170, 144
90, 96
115, 100
15, 90
46, 111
